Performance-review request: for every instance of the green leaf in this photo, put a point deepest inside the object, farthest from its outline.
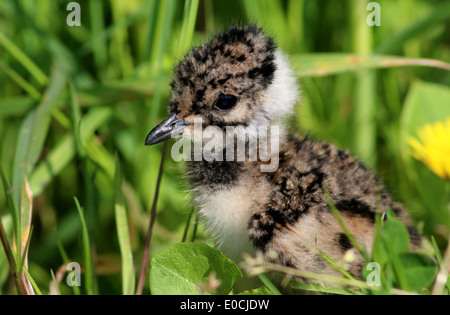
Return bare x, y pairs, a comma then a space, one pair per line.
185, 267
392, 234
392, 240
396, 235
379, 253
420, 271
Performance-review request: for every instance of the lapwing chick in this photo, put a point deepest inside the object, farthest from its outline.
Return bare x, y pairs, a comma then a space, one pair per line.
279, 203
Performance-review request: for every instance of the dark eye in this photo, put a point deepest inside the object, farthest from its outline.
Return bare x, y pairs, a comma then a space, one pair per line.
226, 102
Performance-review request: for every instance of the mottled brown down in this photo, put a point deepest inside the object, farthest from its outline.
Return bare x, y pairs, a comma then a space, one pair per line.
284, 214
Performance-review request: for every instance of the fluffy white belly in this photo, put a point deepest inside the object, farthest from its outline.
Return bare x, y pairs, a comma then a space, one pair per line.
226, 214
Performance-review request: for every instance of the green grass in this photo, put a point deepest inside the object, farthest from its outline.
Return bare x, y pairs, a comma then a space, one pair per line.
77, 102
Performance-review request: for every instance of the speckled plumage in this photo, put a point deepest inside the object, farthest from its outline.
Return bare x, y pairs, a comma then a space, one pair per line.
284, 214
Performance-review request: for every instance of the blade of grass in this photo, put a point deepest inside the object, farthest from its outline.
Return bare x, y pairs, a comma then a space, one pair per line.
15, 106
194, 232
121, 60
99, 155
13, 207
161, 35
323, 64
365, 134
33, 283
23, 263
55, 283
24, 260
20, 56
162, 31
296, 22
58, 158
82, 130
209, 16
27, 87
108, 32
87, 251
436, 251
341, 270
395, 42
276, 22
442, 279
60, 118
96, 16
257, 267
187, 225
269, 284
123, 233
113, 93
64, 151
33, 132
11, 260
189, 19
26, 212
76, 118
4, 265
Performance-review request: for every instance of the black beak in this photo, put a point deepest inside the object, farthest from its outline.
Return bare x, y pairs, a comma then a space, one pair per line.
170, 127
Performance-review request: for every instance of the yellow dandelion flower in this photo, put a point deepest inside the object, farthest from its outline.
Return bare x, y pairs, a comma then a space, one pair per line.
434, 148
